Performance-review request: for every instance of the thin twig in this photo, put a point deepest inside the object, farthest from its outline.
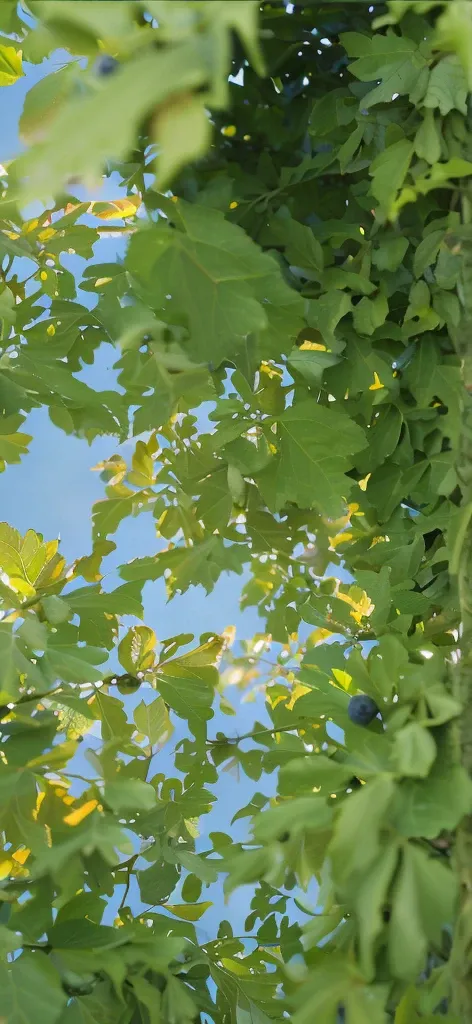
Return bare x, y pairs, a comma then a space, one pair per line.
260, 732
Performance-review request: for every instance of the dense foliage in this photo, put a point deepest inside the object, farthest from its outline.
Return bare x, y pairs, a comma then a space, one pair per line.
299, 265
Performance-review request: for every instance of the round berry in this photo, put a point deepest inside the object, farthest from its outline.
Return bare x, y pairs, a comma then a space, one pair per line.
362, 709
106, 64
127, 683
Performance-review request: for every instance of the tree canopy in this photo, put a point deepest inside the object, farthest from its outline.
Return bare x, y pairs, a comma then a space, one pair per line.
291, 321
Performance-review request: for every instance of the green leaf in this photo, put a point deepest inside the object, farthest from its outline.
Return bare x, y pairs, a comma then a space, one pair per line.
317, 771
302, 248
370, 314
9, 941
183, 132
394, 59
370, 899
407, 944
81, 933
414, 750
9, 683
389, 170
56, 609
454, 33
129, 795
136, 649
65, 660
215, 262
326, 312
293, 816
189, 691
31, 990
356, 841
390, 253
43, 99
112, 716
311, 364
315, 448
153, 720
28, 561
447, 87
427, 251
157, 882
428, 139
425, 808
105, 119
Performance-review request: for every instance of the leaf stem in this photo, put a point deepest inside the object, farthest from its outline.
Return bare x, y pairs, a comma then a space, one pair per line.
259, 732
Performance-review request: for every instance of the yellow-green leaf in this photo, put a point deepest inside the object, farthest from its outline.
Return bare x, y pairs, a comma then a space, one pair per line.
188, 911
10, 65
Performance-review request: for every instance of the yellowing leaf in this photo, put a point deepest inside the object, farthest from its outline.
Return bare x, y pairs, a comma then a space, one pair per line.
39, 799
377, 383
341, 538
136, 649
298, 691
75, 817
115, 209
188, 911
207, 654
343, 678
365, 480
45, 235
361, 607
21, 855
5, 867
318, 635
312, 346
10, 65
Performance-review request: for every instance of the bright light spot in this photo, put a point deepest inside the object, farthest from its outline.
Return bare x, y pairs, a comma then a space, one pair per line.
306, 81
427, 654
237, 79
326, 42
395, 95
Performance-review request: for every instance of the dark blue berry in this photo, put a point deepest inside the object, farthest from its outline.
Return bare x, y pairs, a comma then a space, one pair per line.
362, 709
106, 64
